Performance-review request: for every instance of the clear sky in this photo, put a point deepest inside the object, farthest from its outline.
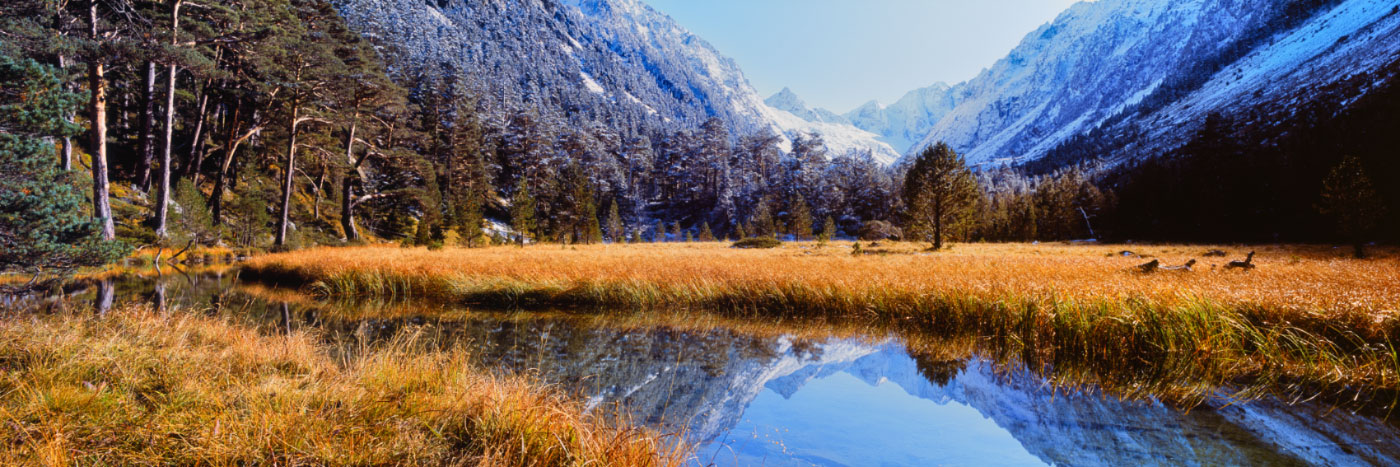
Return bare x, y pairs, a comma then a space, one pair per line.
838, 54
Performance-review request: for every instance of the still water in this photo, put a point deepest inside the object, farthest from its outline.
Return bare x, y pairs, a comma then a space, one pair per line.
757, 395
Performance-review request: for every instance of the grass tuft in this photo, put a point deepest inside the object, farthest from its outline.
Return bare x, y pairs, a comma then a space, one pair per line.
137, 388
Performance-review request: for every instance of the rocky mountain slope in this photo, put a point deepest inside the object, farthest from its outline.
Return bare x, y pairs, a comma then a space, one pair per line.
1148, 72
618, 63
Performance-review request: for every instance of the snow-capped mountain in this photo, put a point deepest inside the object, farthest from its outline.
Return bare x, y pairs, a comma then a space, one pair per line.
791, 114
1152, 70
618, 62
789, 102
908, 120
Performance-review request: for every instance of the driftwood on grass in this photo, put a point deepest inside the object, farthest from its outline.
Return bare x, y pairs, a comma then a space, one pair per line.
1150, 267
1185, 267
1247, 264
1156, 265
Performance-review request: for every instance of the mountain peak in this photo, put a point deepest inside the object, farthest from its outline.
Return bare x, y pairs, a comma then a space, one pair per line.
788, 101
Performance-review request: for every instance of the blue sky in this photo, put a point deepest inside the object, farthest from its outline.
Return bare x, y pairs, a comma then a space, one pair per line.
839, 54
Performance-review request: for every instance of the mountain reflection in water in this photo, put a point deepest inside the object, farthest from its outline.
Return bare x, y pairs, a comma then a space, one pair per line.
772, 398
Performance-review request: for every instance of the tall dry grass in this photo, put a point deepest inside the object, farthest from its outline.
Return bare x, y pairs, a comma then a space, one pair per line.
1307, 318
137, 388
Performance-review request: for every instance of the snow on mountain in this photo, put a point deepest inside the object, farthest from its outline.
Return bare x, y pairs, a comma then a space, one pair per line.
614, 61
1070, 74
1152, 69
1340, 54
905, 123
791, 114
787, 101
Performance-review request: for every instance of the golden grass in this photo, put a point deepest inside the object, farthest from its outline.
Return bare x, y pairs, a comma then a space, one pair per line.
1306, 318
1303, 280
139, 388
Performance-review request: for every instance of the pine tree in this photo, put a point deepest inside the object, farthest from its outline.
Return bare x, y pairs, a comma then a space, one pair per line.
41, 222
762, 221
194, 222
828, 231
594, 231
97, 121
472, 222
706, 235
801, 219
739, 232
658, 233
522, 213
1349, 197
616, 231
939, 191
305, 67
676, 231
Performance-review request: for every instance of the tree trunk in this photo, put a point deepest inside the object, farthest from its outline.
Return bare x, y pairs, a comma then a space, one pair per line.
101, 202
347, 209
163, 189
938, 225
216, 199
320, 184
65, 155
196, 147
347, 203
148, 127
287, 179
106, 295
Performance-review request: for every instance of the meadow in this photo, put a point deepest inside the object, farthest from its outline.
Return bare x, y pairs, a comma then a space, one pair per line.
136, 387
1306, 320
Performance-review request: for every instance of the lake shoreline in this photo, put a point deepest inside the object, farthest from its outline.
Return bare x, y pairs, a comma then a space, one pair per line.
1178, 327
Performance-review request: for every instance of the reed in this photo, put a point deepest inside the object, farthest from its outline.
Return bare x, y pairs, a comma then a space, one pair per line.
138, 388
1306, 320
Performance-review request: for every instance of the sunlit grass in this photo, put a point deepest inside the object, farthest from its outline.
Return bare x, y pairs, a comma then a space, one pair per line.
1307, 318
137, 388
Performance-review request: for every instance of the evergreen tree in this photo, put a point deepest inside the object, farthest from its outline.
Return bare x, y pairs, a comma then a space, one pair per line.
471, 225
676, 231
828, 230
658, 233
762, 220
939, 192
250, 217
41, 225
594, 231
616, 231
522, 213
706, 235
194, 223
1350, 198
740, 232
801, 219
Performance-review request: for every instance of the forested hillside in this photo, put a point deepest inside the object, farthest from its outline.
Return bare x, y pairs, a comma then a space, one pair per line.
276, 124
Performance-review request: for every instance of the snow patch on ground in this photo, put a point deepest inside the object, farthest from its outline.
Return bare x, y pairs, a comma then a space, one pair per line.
592, 85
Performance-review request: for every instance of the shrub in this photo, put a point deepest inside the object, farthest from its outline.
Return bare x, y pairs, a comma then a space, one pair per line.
758, 242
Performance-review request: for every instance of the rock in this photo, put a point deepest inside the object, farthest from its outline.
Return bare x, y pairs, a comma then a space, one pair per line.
880, 230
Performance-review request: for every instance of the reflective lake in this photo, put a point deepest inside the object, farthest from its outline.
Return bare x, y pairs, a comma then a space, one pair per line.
755, 393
